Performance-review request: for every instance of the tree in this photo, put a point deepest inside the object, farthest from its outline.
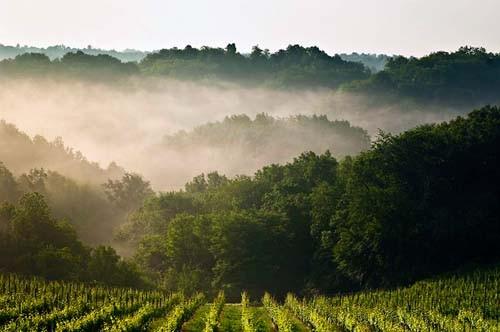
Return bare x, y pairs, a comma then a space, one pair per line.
9, 191
102, 264
33, 242
201, 183
231, 49
34, 181
128, 193
251, 250
188, 261
422, 202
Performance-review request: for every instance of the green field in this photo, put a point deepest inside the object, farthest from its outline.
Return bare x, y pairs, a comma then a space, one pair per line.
468, 302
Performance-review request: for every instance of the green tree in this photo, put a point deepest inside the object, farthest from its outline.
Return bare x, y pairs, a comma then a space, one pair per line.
129, 193
9, 191
421, 202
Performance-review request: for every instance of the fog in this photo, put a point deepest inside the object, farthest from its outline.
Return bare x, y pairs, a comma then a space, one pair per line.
127, 122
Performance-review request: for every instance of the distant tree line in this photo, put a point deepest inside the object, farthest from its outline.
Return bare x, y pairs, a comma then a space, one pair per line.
469, 76
374, 62
72, 65
58, 51
271, 139
466, 78
296, 66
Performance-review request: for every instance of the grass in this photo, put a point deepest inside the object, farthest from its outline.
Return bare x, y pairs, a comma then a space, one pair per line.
230, 320
262, 320
301, 327
197, 322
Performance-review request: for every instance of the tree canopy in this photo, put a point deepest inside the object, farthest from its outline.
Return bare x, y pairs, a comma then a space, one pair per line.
469, 76
414, 205
33, 242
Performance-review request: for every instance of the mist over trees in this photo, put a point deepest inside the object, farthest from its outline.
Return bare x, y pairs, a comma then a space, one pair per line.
414, 205
346, 213
296, 66
84, 206
21, 153
374, 62
58, 51
95, 201
77, 65
245, 144
464, 79
266, 132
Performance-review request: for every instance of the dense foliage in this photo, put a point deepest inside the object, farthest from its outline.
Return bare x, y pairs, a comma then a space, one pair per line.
94, 200
266, 140
296, 66
374, 62
422, 201
85, 206
72, 65
401, 209
415, 204
43, 216
469, 76
33, 242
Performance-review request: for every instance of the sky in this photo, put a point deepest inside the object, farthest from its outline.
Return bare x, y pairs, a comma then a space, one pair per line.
407, 27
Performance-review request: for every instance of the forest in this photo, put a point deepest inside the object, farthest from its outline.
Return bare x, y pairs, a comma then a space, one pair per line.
469, 76
285, 191
465, 78
310, 223
314, 222
374, 62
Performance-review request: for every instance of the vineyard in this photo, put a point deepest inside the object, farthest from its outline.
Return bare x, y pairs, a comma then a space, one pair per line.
470, 302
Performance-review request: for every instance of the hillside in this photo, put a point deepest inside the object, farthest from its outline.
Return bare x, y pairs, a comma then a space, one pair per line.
401, 211
249, 166
72, 186
21, 153
241, 145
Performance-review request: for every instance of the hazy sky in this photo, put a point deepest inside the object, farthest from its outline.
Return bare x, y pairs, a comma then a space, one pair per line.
380, 26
